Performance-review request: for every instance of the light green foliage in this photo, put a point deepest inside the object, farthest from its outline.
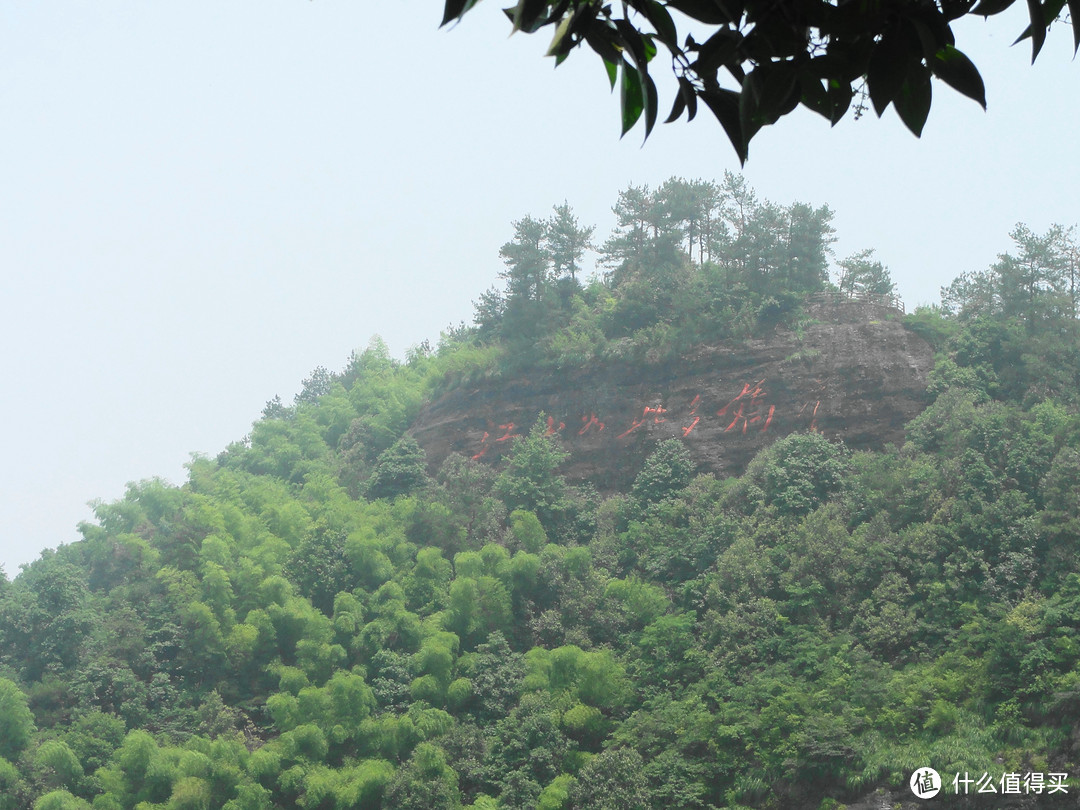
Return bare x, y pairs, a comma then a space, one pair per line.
530, 480
16, 721
10, 787
556, 795
190, 793
393, 626
286, 449
364, 784
400, 469
306, 741
60, 800
265, 763
595, 677
527, 531
459, 693
427, 586
642, 602
351, 699
584, 723
367, 554
477, 608
57, 765
669, 652
249, 797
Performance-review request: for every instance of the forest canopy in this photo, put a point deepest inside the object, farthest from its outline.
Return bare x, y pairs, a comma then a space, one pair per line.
319, 619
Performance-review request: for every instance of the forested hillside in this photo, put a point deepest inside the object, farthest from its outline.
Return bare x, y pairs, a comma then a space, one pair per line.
321, 619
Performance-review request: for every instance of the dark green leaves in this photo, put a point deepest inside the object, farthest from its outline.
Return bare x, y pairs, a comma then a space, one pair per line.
455, 10
888, 68
774, 55
831, 100
960, 73
631, 97
529, 15
662, 22
1037, 29
770, 91
913, 101
1042, 16
637, 95
725, 106
685, 100
1074, 17
988, 8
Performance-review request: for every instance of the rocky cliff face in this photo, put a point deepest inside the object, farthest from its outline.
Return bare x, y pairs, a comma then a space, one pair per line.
856, 374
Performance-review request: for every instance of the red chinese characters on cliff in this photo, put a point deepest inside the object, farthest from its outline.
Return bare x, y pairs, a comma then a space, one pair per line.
750, 410
747, 412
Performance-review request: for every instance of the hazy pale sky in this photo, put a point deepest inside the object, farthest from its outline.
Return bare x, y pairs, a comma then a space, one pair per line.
201, 202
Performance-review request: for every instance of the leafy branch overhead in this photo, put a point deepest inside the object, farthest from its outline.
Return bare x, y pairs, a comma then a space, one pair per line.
774, 54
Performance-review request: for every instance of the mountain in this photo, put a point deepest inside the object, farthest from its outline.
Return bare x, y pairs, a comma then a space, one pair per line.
681, 538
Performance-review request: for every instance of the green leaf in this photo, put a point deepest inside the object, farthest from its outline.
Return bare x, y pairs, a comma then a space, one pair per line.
661, 20
650, 47
1047, 12
631, 98
652, 102
960, 73
602, 39
912, 103
557, 46
749, 120
768, 92
987, 8
573, 25
706, 11
725, 106
676, 109
814, 96
1037, 29
888, 66
933, 36
612, 71
529, 15
1074, 16
688, 96
633, 42
838, 95
455, 10
719, 49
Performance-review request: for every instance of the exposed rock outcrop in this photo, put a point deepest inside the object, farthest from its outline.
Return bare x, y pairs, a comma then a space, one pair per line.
854, 373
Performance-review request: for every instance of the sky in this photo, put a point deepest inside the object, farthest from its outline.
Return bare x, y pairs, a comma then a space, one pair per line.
201, 202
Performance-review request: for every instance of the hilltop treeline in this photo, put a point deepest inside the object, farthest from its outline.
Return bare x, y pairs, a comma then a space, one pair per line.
688, 262
317, 620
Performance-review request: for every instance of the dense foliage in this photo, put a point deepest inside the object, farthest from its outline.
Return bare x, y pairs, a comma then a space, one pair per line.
774, 55
317, 620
